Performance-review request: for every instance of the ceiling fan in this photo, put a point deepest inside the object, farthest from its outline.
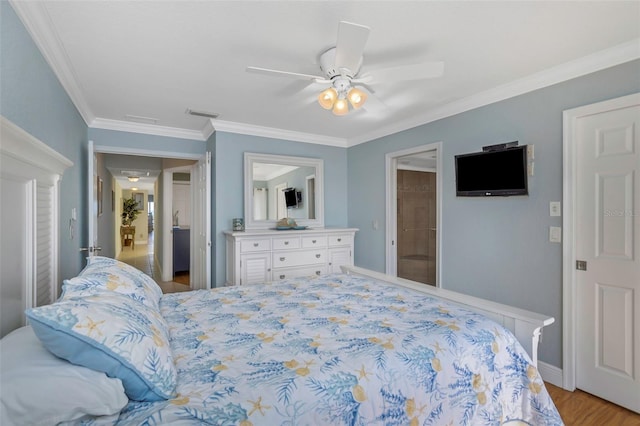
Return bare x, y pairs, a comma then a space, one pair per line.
340, 67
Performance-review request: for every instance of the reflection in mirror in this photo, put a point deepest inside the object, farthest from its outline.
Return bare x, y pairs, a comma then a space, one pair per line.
279, 187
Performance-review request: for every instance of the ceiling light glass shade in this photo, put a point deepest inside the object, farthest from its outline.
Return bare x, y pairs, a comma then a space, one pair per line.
134, 189
356, 97
327, 98
133, 178
341, 107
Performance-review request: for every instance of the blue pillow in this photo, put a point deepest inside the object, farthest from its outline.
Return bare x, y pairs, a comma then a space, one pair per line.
114, 334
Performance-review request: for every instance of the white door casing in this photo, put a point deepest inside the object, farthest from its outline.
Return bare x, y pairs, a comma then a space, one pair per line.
93, 246
602, 227
201, 224
391, 167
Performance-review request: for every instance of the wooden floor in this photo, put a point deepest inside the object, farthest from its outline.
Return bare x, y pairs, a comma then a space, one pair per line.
582, 409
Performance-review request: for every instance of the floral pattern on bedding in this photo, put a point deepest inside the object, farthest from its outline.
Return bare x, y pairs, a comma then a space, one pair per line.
341, 350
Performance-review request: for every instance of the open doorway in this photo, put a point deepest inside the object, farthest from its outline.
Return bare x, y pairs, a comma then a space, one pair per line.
155, 231
414, 193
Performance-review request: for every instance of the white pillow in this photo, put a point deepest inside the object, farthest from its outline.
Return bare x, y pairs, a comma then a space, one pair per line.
37, 388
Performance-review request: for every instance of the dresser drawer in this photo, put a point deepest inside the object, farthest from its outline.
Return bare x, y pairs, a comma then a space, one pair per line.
286, 243
248, 246
340, 240
314, 241
305, 271
298, 258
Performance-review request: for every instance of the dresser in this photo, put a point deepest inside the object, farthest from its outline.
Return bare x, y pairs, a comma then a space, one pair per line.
270, 255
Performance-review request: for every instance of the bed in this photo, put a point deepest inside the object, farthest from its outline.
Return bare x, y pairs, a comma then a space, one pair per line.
339, 349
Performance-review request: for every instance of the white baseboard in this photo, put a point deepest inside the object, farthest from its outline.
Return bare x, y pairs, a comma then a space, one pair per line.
550, 373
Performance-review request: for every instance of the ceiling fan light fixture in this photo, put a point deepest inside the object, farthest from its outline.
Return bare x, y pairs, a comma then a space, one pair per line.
341, 107
356, 97
133, 178
327, 98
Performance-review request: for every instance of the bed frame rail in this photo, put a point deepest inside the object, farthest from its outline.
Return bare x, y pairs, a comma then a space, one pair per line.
525, 325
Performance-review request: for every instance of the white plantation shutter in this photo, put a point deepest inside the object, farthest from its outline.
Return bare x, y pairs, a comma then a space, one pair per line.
29, 175
45, 245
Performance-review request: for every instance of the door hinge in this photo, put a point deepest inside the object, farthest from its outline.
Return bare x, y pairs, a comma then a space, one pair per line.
581, 265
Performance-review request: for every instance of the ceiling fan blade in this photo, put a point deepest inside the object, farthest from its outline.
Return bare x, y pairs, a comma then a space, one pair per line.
405, 73
278, 73
373, 103
350, 45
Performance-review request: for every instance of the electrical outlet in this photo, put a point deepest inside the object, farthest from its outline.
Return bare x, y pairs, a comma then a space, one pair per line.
554, 208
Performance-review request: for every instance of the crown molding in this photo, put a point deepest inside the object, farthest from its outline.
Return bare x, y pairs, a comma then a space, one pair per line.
147, 129
594, 62
271, 132
36, 19
21, 145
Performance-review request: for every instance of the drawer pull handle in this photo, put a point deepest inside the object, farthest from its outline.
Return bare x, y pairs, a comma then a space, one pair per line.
286, 243
313, 241
317, 272
256, 244
282, 276
282, 259
339, 239
317, 256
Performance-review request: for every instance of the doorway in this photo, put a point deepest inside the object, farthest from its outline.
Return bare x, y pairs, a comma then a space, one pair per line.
200, 244
413, 217
416, 217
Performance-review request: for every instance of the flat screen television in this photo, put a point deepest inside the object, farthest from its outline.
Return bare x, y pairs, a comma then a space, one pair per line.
290, 197
492, 173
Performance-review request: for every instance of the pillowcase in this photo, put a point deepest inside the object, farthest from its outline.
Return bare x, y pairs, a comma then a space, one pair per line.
103, 274
37, 388
112, 333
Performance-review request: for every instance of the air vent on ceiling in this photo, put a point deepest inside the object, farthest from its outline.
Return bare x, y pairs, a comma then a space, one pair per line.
202, 113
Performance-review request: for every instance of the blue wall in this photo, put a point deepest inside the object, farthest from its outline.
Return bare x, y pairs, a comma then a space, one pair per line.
229, 182
31, 97
495, 248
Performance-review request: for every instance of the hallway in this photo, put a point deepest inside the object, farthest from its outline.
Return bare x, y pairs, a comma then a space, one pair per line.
142, 258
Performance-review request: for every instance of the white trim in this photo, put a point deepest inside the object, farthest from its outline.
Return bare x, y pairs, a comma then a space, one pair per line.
147, 129
22, 146
316, 163
275, 133
550, 373
106, 149
597, 61
36, 19
569, 220
391, 167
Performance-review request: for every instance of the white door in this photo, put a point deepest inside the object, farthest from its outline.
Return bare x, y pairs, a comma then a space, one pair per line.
200, 275
607, 238
93, 247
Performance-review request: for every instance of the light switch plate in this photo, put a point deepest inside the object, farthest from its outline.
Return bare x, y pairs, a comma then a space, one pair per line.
555, 234
555, 208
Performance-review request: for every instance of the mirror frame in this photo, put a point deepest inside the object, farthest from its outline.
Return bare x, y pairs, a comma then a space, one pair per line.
317, 163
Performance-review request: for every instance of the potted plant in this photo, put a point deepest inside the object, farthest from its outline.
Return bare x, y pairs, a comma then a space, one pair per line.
129, 211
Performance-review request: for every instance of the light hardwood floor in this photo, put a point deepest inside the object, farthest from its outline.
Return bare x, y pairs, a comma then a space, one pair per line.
582, 409
142, 258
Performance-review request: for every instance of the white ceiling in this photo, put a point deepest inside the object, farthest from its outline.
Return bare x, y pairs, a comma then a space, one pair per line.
155, 59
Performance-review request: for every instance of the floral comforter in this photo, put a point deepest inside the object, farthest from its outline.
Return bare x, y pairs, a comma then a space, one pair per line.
341, 350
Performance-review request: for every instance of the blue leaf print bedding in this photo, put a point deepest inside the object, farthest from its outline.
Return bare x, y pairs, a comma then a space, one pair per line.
341, 350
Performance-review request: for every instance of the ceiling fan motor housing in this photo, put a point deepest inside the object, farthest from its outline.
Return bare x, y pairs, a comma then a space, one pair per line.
328, 67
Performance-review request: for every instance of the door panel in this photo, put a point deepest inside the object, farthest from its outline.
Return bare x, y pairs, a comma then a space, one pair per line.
607, 238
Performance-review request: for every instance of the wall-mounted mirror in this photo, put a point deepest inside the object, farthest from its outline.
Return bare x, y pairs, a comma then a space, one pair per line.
278, 186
